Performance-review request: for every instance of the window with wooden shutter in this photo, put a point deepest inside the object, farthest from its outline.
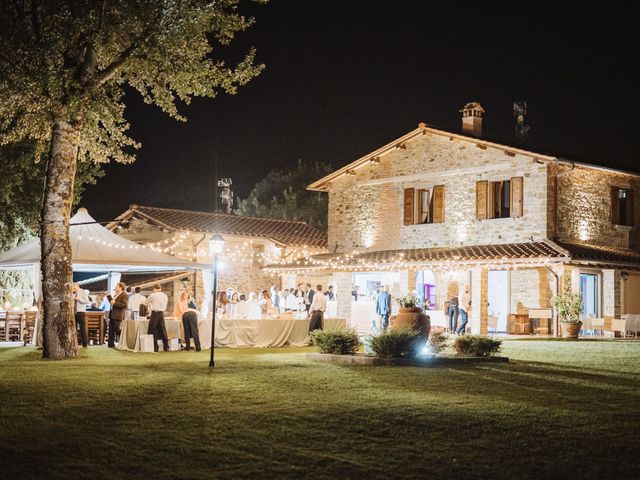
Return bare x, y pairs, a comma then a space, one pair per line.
517, 196
481, 199
622, 206
409, 196
438, 204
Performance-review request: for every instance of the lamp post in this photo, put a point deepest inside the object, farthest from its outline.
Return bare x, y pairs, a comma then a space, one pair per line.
216, 244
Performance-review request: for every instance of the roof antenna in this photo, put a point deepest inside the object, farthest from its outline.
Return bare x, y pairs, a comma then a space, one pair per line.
226, 195
520, 114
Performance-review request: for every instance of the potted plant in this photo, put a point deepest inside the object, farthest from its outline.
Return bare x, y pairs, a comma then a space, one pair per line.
568, 307
411, 316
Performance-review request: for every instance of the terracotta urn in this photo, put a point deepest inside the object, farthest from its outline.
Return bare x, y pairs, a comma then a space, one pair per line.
571, 329
412, 318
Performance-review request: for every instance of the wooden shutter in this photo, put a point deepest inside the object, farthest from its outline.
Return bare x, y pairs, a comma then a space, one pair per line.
409, 198
517, 196
491, 198
615, 205
438, 204
629, 208
481, 199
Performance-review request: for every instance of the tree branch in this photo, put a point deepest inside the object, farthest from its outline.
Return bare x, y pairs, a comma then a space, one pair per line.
112, 69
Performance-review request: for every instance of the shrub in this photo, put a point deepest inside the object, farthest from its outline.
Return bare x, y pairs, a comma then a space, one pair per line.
396, 343
438, 341
477, 345
339, 341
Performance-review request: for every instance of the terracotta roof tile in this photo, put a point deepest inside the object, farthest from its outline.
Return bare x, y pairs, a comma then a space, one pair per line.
597, 253
285, 232
530, 251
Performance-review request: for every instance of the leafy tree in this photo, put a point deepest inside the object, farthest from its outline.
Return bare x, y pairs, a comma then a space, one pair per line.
22, 179
21, 193
64, 65
283, 194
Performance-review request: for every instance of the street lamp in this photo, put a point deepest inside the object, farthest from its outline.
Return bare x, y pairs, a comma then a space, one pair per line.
216, 244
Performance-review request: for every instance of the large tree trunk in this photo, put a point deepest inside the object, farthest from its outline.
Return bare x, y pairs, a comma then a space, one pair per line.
59, 339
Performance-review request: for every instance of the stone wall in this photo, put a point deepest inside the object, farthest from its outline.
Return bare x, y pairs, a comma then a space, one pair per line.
531, 288
366, 211
584, 207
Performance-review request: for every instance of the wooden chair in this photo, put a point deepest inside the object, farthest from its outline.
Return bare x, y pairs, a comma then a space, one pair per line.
14, 327
29, 326
518, 323
94, 326
3, 326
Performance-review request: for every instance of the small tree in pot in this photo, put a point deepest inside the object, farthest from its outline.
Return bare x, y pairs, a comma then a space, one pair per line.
569, 306
411, 316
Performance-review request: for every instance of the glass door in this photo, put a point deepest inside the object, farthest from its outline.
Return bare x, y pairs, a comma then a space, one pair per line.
589, 292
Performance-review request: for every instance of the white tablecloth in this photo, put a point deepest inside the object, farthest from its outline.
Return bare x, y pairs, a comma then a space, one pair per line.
261, 332
132, 329
292, 332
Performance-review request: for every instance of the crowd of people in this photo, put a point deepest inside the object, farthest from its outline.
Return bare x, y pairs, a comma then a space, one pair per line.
234, 304
125, 304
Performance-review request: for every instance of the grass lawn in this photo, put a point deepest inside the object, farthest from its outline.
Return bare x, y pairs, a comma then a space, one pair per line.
559, 409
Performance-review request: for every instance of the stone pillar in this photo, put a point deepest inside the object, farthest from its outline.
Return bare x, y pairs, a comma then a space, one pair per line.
407, 284
199, 288
411, 281
575, 280
611, 295
343, 284
479, 316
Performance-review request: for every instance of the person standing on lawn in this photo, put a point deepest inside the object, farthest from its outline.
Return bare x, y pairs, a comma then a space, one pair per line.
157, 303
383, 307
117, 313
80, 301
135, 301
317, 309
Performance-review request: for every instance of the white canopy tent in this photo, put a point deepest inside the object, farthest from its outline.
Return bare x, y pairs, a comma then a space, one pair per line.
97, 249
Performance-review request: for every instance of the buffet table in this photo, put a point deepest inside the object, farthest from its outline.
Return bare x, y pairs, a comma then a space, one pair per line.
235, 333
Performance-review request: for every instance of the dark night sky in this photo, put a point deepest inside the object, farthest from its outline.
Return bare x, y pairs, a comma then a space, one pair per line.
345, 77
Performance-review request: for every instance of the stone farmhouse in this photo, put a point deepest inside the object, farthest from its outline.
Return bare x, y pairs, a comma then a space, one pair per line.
434, 211
250, 243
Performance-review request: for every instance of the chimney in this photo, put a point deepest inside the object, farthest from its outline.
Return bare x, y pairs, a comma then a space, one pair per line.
472, 119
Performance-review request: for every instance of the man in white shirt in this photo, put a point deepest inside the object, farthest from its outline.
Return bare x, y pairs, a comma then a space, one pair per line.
317, 309
80, 301
135, 301
157, 303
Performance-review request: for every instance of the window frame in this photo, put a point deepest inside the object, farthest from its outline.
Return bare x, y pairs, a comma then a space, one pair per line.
417, 204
